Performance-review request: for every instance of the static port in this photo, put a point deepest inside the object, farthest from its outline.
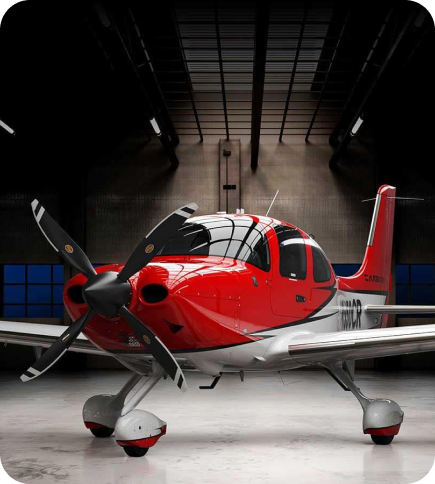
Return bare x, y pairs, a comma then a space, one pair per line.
154, 293
75, 294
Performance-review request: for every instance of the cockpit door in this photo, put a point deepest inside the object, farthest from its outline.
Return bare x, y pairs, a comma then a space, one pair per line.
290, 291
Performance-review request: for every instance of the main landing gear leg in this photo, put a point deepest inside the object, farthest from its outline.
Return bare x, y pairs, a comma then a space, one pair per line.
382, 418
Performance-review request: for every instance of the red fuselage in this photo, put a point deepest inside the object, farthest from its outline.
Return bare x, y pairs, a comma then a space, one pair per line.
199, 302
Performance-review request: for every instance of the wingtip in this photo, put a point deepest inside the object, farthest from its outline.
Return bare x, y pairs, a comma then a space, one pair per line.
193, 206
34, 203
24, 378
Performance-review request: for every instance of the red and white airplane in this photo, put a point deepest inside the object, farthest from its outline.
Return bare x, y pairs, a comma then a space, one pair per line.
224, 293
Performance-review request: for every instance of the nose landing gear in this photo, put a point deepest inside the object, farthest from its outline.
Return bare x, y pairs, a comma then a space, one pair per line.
135, 430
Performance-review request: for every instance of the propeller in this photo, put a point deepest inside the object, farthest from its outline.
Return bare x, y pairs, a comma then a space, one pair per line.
109, 293
58, 348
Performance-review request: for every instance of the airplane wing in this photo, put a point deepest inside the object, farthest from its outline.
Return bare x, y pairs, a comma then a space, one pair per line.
44, 335
318, 348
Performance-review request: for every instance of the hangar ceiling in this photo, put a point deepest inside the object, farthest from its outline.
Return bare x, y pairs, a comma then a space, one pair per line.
214, 68
203, 56
265, 68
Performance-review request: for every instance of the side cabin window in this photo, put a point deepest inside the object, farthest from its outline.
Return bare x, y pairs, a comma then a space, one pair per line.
292, 254
321, 268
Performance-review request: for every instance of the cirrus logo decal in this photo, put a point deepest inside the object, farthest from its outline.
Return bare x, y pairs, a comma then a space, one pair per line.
373, 278
69, 249
149, 248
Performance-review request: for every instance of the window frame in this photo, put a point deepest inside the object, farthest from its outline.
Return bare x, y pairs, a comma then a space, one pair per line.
410, 285
52, 305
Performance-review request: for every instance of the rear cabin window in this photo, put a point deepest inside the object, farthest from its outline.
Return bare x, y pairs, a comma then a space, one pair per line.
321, 269
292, 254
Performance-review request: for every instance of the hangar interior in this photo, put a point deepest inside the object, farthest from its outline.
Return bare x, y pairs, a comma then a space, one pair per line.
114, 115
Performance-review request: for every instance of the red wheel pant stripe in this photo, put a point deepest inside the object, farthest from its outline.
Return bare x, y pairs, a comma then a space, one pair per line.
144, 443
394, 430
93, 425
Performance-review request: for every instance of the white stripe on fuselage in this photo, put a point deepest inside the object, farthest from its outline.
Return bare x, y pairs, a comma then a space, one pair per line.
327, 320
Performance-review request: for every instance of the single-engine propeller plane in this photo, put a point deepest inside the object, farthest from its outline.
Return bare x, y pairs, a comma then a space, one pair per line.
224, 293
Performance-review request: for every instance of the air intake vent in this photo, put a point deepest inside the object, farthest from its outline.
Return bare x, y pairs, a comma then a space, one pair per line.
154, 293
75, 294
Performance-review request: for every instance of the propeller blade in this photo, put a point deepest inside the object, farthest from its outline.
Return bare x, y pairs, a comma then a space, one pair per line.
156, 347
154, 241
61, 241
58, 348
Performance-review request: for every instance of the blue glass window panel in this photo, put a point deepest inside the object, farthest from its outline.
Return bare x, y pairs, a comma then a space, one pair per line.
38, 311
402, 294
39, 274
402, 274
14, 294
14, 274
57, 294
422, 274
345, 270
58, 274
422, 295
14, 311
58, 311
38, 294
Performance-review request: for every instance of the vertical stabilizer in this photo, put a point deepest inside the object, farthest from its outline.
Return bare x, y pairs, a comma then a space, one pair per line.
374, 274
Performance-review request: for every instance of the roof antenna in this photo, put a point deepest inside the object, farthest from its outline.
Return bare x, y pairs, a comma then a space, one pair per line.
274, 198
397, 198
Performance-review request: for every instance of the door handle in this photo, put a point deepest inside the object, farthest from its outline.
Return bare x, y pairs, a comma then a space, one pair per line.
300, 298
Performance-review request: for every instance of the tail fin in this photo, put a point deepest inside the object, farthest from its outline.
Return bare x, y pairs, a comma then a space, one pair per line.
374, 274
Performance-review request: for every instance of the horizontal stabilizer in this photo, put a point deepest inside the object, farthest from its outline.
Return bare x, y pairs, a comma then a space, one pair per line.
392, 309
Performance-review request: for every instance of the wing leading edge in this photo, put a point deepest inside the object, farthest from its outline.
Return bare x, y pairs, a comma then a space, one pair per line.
318, 348
44, 335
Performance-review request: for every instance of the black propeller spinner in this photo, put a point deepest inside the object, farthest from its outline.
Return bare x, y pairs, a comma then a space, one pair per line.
109, 293
105, 293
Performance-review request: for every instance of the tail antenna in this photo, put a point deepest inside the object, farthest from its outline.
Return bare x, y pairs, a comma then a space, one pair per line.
397, 198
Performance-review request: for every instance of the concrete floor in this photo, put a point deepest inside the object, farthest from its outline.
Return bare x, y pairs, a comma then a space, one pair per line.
300, 428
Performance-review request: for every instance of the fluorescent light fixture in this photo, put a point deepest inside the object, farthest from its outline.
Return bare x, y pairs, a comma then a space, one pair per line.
155, 126
7, 128
356, 126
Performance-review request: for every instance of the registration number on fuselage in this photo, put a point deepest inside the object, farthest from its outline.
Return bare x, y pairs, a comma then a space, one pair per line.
349, 314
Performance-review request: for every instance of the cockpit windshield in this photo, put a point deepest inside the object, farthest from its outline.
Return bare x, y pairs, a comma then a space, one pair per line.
238, 238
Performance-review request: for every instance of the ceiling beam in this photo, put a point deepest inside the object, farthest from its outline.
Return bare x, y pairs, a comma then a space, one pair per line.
260, 53
295, 65
221, 67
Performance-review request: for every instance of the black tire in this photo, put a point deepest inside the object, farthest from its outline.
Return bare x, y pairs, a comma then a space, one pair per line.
102, 432
382, 439
135, 451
